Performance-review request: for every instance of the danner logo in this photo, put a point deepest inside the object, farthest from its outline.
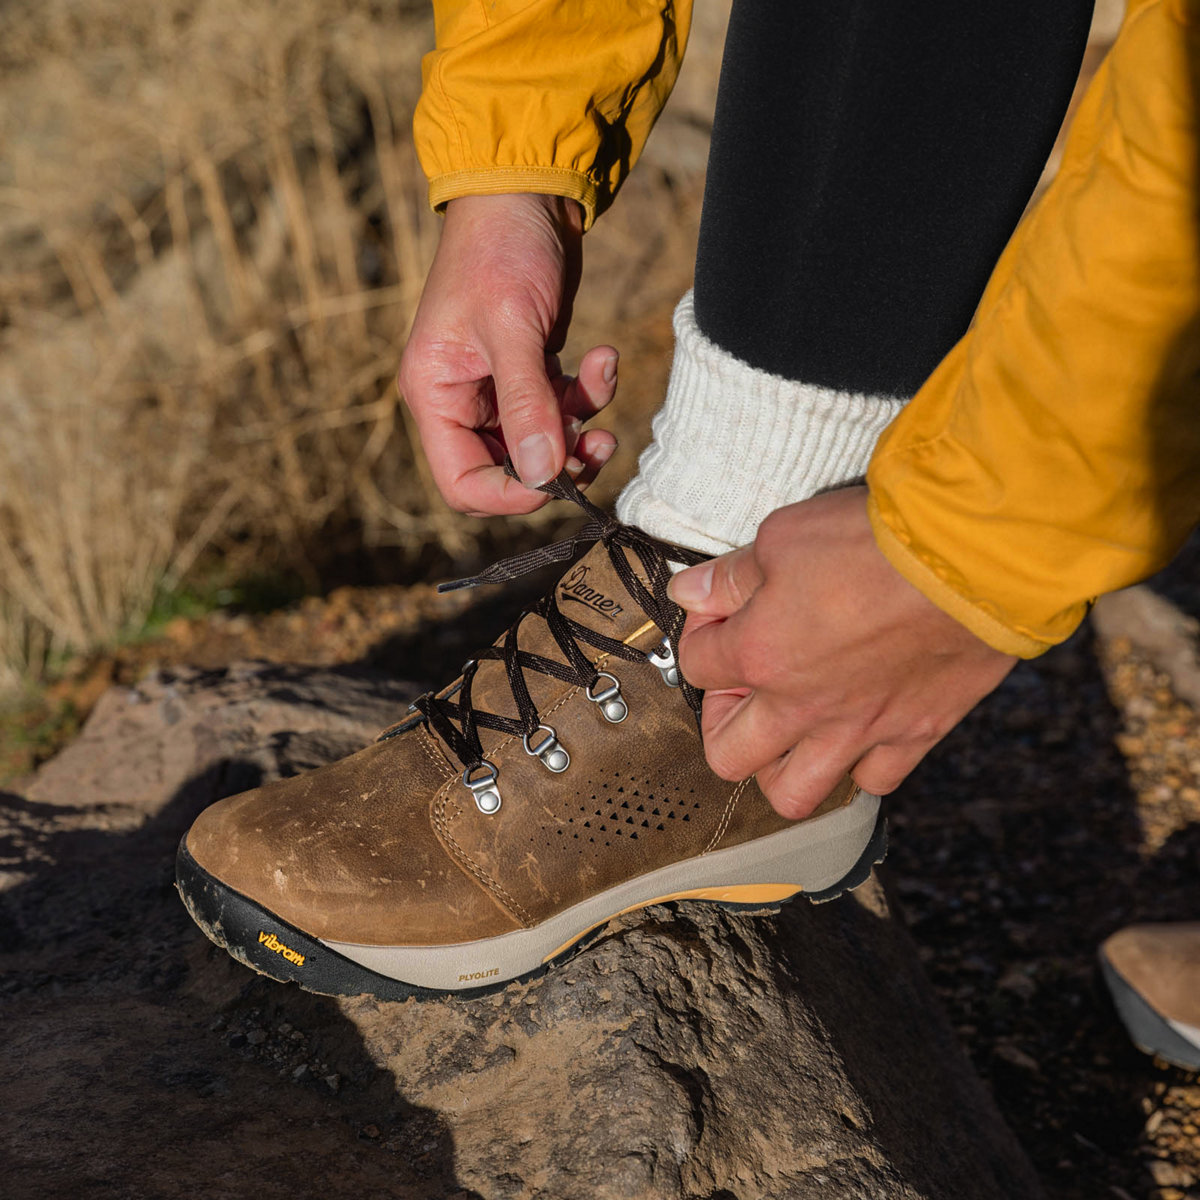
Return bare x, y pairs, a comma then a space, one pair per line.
576, 587
479, 975
273, 943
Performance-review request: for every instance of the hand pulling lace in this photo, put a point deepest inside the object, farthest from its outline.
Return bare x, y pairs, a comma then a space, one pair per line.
453, 715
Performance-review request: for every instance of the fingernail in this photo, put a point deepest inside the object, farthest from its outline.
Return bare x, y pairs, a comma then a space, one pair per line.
571, 428
574, 466
610, 368
604, 452
534, 460
692, 586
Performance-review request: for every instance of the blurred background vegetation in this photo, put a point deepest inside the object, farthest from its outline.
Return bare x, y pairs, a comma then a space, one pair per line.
214, 234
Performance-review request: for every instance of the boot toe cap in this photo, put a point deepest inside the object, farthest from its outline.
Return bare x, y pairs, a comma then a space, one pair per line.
345, 853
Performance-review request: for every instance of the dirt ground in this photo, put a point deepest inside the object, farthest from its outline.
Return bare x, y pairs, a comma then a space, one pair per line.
1064, 808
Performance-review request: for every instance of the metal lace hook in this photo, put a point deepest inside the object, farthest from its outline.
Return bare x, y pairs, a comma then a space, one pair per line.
552, 753
484, 789
612, 704
663, 657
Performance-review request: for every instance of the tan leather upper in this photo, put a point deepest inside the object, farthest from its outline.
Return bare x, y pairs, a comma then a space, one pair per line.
348, 851
388, 847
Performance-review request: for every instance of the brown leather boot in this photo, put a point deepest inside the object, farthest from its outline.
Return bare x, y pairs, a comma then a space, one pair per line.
558, 782
1153, 972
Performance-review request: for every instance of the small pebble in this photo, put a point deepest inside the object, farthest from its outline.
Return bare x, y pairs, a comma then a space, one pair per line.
1017, 1057
1017, 980
1167, 1174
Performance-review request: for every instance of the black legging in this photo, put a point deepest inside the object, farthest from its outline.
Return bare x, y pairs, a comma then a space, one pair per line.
869, 161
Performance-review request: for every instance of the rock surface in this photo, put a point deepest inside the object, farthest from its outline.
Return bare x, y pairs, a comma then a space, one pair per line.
693, 1054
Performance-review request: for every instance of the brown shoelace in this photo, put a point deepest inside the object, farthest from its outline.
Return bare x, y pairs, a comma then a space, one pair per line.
453, 714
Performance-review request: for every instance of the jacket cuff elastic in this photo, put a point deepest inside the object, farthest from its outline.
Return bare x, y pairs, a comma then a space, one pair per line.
496, 181
897, 548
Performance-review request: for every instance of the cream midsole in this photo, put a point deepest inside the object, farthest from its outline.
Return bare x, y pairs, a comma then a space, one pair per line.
1189, 1033
810, 856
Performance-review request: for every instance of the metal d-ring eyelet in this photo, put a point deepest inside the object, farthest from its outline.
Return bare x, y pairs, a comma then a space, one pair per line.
663, 658
553, 755
484, 789
612, 705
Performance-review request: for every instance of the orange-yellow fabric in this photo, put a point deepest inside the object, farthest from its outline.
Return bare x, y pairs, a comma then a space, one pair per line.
551, 96
1055, 454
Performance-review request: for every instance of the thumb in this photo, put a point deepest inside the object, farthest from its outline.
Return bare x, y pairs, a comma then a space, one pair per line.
718, 588
529, 411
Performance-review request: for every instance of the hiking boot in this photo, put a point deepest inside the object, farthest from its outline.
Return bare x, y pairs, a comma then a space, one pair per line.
558, 782
1153, 972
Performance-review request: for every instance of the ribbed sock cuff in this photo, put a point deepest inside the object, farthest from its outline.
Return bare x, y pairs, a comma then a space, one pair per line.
732, 444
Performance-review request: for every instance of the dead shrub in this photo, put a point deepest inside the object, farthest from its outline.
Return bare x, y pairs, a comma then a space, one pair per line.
214, 234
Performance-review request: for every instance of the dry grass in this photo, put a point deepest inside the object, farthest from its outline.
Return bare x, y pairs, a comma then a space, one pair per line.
214, 234
214, 239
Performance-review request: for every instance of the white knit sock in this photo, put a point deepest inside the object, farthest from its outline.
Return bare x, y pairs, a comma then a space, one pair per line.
733, 443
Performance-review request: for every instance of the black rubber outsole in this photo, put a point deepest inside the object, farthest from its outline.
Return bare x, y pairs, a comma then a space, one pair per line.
259, 939
1148, 1030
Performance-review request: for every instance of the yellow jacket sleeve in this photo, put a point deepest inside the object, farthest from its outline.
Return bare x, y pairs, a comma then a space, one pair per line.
551, 96
1055, 454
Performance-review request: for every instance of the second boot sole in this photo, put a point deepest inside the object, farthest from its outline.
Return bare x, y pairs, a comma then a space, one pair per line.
1149, 1030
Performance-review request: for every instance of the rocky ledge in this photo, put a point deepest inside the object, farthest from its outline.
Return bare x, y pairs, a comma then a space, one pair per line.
696, 1055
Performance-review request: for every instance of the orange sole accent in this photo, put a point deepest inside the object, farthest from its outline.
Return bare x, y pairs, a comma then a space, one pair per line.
742, 893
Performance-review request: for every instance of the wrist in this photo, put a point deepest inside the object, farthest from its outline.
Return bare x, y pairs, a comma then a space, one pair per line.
561, 211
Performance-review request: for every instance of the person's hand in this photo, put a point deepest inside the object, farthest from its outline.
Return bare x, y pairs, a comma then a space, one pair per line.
818, 658
480, 371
